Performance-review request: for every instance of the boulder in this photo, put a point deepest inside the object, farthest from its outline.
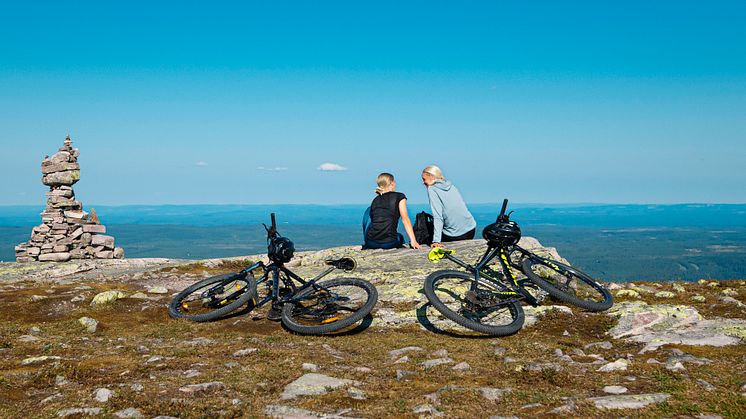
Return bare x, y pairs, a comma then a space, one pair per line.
55, 257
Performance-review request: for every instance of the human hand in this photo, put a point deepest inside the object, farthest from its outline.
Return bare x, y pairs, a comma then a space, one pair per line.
436, 245
415, 245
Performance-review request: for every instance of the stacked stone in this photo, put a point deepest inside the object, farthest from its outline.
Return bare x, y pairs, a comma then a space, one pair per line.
67, 232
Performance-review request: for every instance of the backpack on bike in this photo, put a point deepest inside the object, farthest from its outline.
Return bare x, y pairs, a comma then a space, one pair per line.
424, 228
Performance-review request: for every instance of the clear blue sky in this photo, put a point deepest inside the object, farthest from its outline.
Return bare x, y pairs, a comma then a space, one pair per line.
240, 102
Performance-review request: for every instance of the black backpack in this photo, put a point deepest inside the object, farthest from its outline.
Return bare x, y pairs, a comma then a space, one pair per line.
424, 228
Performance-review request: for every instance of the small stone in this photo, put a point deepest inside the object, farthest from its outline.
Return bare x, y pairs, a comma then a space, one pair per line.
310, 367
356, 393
130, 413
401, 374
441, 353
158, 290
137, 387
493, 394
462, 366
60, 381
615, 389
565, 333
88, 411
191, 373
397, 353
427, 409
665, 294
39, 359
27, 338
203, 387
618, 365
245, 352
102, 395
699, 298
139, 296
402, 360
89, 324
432, 363
37, 298
676, 367
628, 293
601, 345
705, 385
499, 351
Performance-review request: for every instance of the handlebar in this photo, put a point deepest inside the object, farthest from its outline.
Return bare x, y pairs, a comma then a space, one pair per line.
272, 229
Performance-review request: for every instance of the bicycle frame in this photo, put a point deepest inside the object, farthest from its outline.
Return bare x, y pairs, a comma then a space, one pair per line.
272, 273
481, 270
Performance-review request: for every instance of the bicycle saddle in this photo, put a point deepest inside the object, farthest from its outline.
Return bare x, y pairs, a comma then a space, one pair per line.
345, 264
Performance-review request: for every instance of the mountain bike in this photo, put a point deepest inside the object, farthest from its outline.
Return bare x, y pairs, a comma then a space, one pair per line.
488, 301
311, 307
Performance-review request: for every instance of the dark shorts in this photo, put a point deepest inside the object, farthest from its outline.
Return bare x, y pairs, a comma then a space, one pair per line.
399, 242
466, 236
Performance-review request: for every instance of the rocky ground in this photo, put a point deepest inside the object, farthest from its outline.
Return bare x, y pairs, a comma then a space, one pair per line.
94, 338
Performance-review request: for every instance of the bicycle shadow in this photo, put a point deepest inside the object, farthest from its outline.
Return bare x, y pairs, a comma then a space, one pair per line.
431, 327
359, 328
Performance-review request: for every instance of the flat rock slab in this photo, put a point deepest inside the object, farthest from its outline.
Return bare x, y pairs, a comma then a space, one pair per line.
661, 324
314, 384
631, 401
287, 412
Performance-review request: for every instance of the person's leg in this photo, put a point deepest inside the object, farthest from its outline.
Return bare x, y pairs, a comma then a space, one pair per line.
466, 236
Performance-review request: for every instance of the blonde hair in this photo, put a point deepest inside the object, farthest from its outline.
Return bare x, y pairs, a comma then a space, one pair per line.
434, 171
384, 180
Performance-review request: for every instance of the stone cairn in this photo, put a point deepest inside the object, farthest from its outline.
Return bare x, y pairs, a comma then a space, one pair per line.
67, 232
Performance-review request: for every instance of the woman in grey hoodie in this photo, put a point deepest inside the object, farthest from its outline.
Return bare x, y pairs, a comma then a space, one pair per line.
452, 219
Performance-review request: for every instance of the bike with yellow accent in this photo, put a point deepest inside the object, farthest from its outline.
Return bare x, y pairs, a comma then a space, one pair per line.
489, 301
311, 307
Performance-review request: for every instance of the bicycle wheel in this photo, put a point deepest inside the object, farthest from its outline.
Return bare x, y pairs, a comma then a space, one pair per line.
338, 303
567, 284
213, 297
492, 310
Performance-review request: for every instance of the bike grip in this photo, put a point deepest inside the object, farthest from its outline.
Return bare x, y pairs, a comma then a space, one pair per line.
274, 222
505, 206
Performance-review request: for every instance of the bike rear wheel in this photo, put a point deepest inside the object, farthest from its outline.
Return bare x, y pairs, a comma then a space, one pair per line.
567, 284
214, 297
336, 304
493, 310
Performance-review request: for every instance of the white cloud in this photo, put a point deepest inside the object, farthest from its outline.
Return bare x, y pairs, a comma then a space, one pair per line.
273, 169
201, 163
331, 167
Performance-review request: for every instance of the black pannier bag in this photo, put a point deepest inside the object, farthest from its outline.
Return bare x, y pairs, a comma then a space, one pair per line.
424, 228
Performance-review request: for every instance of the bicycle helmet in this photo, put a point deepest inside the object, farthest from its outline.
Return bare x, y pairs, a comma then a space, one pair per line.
502, 233
280, 250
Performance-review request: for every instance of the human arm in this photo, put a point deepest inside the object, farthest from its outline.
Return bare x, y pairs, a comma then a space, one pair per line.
407, 224
436, 205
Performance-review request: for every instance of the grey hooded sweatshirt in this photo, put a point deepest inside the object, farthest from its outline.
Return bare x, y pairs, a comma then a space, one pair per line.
449, 211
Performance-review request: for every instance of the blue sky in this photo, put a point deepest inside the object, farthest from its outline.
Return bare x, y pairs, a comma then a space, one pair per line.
240, 102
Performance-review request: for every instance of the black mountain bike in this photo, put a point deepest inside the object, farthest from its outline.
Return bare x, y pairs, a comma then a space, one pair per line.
488, 301
312, 307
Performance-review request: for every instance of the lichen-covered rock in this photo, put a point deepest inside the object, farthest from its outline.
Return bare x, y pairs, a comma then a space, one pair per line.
89, 324
107, 297
314, 384
662, 324
632, 401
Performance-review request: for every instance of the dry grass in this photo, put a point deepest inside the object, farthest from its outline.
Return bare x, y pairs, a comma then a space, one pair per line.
113, 357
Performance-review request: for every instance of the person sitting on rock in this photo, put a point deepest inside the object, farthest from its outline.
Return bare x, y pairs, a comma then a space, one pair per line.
380, 226
452, 220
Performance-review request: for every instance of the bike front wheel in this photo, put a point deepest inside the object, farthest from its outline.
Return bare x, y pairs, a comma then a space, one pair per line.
330, 306
493, 309
567, 284
214, 297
